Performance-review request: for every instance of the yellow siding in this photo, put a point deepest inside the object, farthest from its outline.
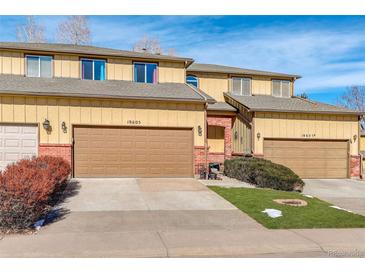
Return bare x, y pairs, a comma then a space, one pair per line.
362, 143
66, 66
119, 69
30, 109
241, 141
213, 84
313, 126
11, 63
170, 72
215, 139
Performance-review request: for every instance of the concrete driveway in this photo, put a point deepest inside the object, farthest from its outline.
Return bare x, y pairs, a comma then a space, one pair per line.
164, 218
346, 193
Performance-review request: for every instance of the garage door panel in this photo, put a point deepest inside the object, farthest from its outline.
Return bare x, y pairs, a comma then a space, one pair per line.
310, 158
133, 152
17, 142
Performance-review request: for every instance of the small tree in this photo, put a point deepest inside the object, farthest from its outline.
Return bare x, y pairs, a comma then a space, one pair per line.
75, 30
354, 98
148, 44
30, 32
303, 95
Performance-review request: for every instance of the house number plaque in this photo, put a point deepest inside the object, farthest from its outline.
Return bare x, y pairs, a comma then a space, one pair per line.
312, 135
134, 122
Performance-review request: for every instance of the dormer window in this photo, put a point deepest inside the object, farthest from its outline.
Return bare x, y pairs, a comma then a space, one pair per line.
192, 80
281, 88
39, 66
92, 69
241, 86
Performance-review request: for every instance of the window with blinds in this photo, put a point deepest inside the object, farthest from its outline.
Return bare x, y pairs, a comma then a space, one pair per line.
281, 88
39, 66
241, 86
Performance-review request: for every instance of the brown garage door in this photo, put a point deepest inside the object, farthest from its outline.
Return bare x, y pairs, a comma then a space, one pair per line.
310, 158
132, 152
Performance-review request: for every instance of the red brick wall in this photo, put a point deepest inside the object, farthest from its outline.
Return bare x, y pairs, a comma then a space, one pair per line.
63, 151
225, 122
355, 169
199, 158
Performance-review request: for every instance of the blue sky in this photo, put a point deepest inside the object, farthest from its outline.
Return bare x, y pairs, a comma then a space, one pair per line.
328, 51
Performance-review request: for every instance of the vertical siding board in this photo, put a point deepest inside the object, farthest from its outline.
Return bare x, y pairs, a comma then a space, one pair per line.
53, 117
64, 116
41, 116
19, 109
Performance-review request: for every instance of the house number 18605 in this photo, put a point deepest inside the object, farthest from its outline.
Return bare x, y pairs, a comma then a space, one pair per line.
134, 122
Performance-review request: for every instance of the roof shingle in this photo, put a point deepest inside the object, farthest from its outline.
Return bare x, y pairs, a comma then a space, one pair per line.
196, 67
16, 84
292, 104
89, 50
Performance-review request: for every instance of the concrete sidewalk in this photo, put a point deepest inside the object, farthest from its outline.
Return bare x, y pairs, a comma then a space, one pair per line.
169, 218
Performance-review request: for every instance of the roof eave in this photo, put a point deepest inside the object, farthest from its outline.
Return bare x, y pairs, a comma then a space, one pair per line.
137, 56
101, 96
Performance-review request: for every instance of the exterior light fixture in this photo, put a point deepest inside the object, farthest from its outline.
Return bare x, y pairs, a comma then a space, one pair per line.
355, 137
258, 135
235, 135
46, 125
64, 127
200, 130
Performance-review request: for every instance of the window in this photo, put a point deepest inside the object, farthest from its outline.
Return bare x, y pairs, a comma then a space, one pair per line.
39, 66
281, 88
93, 69
192, 80
145, 73
241, 86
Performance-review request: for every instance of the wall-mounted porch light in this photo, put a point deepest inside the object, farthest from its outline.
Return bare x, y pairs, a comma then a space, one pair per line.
235, 135
355, 137
200, 130
64, 127
258, 135
46, 125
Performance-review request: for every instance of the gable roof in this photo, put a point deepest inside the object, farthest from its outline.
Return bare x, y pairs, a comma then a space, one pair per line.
69, 87
221, 106
292, 104
89, 50
196, 67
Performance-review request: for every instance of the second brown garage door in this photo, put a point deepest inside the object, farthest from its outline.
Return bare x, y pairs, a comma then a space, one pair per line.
310, 158
132, 152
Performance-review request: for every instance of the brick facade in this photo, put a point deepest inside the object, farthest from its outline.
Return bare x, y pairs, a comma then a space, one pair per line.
226, 122
199, 158
355, 166
63, 151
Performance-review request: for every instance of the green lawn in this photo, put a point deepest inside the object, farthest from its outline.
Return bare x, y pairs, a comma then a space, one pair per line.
317, 214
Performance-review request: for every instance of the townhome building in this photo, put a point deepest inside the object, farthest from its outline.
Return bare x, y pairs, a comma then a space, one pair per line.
115, 113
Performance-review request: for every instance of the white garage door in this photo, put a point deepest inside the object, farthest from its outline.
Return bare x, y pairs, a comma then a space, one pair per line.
17, 142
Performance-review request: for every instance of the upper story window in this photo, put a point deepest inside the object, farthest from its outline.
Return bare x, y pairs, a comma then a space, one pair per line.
281, 88
39, 66
92, 69
192, 80
145, 73
241, 86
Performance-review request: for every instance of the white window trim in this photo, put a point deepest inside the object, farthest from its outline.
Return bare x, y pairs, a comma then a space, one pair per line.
145, 71
39, 64
241, 78
197, 79
281, 87
93, 72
